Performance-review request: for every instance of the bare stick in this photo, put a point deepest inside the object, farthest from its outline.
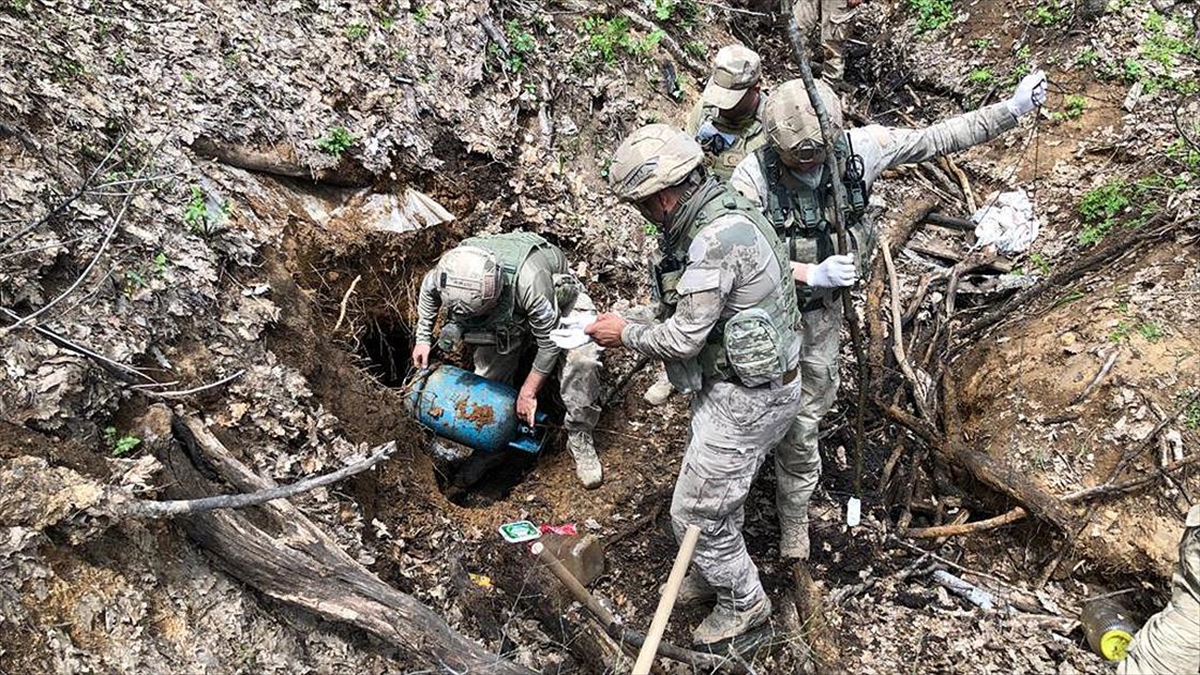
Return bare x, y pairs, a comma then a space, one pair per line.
178, 507
63, 342
920, 387
197, 390
1087, 391
962, 182
951, 530
345, 299
666, 603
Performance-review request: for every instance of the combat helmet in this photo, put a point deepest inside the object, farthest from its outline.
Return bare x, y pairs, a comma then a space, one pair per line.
653, 158
469, 280
790, 121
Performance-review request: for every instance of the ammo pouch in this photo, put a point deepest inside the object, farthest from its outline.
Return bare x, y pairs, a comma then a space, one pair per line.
566, 291
754, 347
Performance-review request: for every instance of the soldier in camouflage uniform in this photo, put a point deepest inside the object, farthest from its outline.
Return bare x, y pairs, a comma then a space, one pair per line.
727, 123
498, 291
728, 335
786, 178
833, 17
1170, 640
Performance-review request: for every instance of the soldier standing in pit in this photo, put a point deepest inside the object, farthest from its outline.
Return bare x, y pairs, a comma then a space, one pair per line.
786, 179
498, 290
730, 336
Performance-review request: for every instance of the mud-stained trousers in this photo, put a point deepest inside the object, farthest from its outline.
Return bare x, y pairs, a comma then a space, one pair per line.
732, 430
797, 457
1170, 640
833, 16
578, 373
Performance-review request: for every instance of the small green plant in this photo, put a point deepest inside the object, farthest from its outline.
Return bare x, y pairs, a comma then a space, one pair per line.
1050, 13
1069, 297
981, 76
1120, 332
982, 44
1100, 208
161, 262
1073, 106
651, 229
1151, 331
931, 14
1040, 263
422, 14
1087, 57
696, 49
200, 218
605, 39
520, 45
1191, 413
120, 445
335, 141
356, 30
1185, 153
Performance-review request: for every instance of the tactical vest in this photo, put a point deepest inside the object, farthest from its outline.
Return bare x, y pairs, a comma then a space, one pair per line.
780, 305
798, 213
748, 140
505, 325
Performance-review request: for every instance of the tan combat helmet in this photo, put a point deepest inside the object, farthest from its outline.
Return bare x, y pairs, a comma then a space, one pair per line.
469, 280
651, 159
789, 118
735, 70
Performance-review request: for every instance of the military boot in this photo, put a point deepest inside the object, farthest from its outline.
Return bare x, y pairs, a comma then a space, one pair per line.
587, 464
793, 539
725, 622
659, 392
693, 591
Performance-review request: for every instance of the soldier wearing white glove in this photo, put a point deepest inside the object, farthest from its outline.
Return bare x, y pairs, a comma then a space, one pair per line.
836, 271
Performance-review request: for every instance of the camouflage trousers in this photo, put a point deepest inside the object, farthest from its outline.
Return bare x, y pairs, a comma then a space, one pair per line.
1170, 640
578, 372
833, 17
798, 457
732, 430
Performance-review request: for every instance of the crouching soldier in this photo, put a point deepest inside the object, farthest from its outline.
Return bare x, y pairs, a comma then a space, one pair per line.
730, 336
499, 292
787, 179
1169, 643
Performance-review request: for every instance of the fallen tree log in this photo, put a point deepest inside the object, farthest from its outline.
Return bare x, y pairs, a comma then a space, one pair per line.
277, 550
282, 163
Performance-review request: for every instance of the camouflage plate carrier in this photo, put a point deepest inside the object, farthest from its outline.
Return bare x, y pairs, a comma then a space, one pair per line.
505, 326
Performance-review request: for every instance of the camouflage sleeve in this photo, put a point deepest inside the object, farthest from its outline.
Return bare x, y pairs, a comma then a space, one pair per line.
710, 274
428, 305
535, 298
749, 180
886, 147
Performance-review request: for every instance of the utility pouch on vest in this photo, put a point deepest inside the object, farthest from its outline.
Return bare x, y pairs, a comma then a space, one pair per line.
566, 292
863, 241
754, 347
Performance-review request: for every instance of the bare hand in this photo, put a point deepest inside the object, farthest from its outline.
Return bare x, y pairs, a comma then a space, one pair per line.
420, 355
606, 330
527, 406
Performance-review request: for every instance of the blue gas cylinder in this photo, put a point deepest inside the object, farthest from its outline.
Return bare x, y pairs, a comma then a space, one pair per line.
475, 411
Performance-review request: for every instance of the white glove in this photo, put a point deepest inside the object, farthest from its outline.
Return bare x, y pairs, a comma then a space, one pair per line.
569, 334
1030, 94
835, 271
